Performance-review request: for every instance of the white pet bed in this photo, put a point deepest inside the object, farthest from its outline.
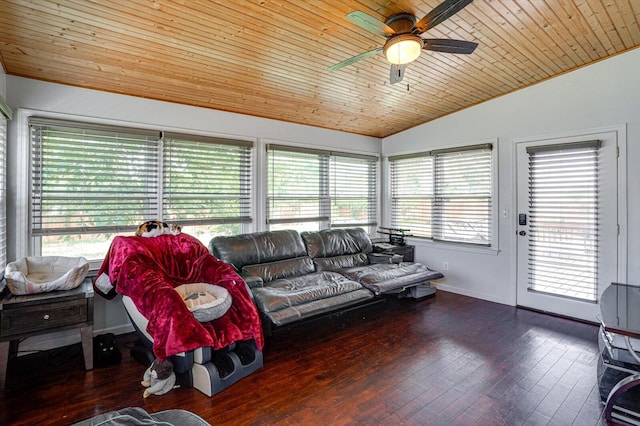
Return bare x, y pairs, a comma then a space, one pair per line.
40, 274
206, 301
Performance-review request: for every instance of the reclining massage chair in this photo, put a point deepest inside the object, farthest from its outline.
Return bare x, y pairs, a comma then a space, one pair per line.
144, 272
207, 370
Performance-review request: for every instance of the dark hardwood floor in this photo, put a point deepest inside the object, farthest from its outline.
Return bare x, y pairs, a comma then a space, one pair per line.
446, 360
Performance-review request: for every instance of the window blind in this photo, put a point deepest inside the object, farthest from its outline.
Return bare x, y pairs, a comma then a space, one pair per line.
298, 190
353, 191
89, 178
563, 219
3, 191
462, 187
206, 180
315, 189
412, 193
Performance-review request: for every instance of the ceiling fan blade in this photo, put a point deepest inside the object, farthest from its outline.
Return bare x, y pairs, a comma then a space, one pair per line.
355, 59
439, 14
449, 46
370, 23
397, 73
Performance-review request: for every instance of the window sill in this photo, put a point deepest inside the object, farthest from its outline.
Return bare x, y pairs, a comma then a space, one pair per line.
442, 245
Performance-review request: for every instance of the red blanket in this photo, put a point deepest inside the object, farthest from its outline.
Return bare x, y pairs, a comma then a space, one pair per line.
148, 269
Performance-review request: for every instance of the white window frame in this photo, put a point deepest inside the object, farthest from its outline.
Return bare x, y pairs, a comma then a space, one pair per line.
6, 114
371, 163
323, 216
25, 245
493, 246
262, 177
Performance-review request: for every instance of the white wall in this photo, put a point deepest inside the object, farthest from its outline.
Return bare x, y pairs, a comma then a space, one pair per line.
3, 83
56, 98
602, 95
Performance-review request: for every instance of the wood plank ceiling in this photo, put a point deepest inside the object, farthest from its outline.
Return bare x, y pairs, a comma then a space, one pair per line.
270, 58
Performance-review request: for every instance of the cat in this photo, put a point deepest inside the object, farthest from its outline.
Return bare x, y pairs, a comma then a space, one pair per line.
153, 228
105, 350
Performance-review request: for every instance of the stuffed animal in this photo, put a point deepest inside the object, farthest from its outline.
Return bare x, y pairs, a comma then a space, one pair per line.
159, 378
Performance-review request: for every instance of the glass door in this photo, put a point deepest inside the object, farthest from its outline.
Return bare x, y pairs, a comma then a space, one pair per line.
567, 223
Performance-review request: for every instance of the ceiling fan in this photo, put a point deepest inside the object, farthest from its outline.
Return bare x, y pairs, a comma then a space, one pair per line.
404, 43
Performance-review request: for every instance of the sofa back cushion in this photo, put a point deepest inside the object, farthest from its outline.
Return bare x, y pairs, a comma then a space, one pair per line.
338, 262
337, 242
333, 249
286, 268
258, 247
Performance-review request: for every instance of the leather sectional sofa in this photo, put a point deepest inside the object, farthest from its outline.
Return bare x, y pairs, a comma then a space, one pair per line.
294, 276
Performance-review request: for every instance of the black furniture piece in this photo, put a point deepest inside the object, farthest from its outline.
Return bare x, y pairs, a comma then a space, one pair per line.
619, 362
396, 235
294, 276
43, 313
406, 251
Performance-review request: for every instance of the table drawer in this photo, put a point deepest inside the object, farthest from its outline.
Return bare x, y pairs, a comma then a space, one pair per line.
29, 319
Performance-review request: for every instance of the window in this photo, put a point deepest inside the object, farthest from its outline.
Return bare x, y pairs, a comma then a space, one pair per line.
91, 182
206, 184
353, 191
462, 192
309, 190
412, 193
444, 195
5, 113
298, 194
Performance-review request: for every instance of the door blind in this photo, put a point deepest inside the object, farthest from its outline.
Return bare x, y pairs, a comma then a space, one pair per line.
563, 219
412, 193
462, 187
206, 180
91, 178
353, 191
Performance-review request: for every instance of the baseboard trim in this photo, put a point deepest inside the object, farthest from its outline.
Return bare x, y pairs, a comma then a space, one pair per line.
476, 295
553, 314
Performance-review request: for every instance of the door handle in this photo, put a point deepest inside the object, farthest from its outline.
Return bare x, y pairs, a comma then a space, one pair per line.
522, 233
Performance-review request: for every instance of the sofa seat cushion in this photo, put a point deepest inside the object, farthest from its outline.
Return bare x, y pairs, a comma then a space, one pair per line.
384, 278
318, 307
295, 291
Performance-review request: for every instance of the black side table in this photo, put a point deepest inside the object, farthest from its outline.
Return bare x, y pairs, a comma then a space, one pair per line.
42, 313
619, 361
407, 251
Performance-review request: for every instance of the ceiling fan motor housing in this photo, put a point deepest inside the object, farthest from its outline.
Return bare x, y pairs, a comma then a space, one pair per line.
402, 22
404, 46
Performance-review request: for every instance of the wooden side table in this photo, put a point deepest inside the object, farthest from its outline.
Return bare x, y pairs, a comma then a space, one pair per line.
42, 313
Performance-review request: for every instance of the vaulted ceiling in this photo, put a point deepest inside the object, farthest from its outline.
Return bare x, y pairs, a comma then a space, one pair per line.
270, 58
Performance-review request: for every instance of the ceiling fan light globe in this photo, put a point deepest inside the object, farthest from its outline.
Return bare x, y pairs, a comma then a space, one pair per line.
403, 49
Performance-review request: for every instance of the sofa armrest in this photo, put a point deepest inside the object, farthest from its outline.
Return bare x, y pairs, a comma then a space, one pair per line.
252, 281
